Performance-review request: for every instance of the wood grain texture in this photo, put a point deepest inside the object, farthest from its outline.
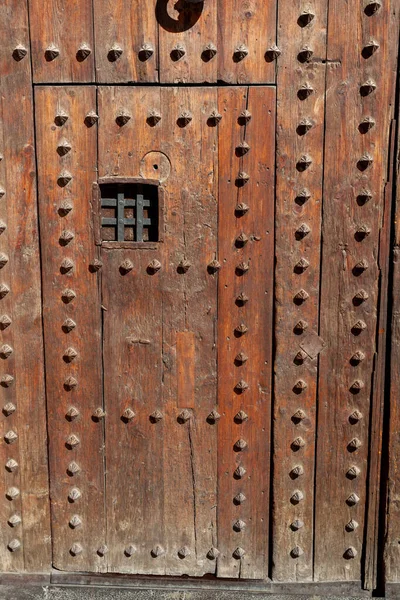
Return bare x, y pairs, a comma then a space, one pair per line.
131, 27
72, 325
351, 232
59, 30
300, 133
253, 25
175, 504
22, 398
187, 28
244, 357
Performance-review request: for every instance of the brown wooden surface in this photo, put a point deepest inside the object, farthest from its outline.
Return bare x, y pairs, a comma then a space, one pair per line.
20, 313
127, 25
249, 24
298, 203
84, 310
256, 343
350, 28
65, 27
175, 498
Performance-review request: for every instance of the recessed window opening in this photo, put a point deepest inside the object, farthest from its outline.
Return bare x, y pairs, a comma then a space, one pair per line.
129, 212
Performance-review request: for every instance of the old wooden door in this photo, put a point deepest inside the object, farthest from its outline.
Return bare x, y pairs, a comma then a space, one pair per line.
157, 238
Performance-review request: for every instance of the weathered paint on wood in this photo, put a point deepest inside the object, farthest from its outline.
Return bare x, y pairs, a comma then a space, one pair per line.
67, 160
300, 132
355, 175
24, 504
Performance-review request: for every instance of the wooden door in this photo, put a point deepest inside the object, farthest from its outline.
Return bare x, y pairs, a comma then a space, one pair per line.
157, 237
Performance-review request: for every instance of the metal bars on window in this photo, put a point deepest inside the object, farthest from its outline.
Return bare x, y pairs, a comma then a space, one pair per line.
120, 221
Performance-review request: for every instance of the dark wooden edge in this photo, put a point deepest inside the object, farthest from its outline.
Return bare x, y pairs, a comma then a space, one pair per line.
96, 214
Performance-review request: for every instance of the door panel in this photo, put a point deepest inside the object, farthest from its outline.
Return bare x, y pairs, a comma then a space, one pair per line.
185, 478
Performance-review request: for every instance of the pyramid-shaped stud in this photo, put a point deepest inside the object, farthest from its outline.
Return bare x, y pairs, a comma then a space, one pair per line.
241, 209
83, 52
214, 118
68, 325
352, 500
146, 51
102, 550
14, 520
244, 117
70, 383
3, 290
242, 299
14, 545
239, 525
19, 52
241, 386
242, 268
114, 53
11, 465
238, 553
305, 54
72, 441
3, 260
209, 51
153, 117
300, 357
242, 149
304, 162
300, 327
358, 327
304, 127
350, 553
213, 417
305, 17
125, 267
240, 445
68, 296
272, 53
51, 52
11, 437
365, 161
156, 416
299, 386
154, 266
213, 266
370, 48
123, 117
354, 445
366, 124
372, 8
178, 52
74, 494
130, 550
239, 499
157, 551
64, 178
361, 266
296, 552
351, 525
362, 232
296, 497
183, 552
61, 118
353, 472
72, 413
184, 118
300, 297
296, 525
91, 118
242, 179
65, 208
12, 493
368, 87
305, 91
240, 417
6, 380
73, 469
296, 472
95, 265
2, 192
5, 351
213, 553
302, 231
184, 416
298, 443
184, 266
356, 386
239, 472
357, 357
241, 329
128, 415
298, 416
240, 359
98, 414
76, 549
63, 147
75, 521
9, 409
240, 53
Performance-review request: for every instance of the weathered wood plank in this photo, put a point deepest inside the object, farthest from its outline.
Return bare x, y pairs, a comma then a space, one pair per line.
357, 126
246, 41
126, 34
245, 281
24, 514
300, 127
187, 41
183, 472
67, 157
62, 40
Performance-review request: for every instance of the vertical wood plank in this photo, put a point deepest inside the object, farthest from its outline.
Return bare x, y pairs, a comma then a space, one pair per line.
126, 38
188, 41
183, 303
72, 325
62, 40
245, 282
300, 132
24, 481
357, 128
185, 357
246, 40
